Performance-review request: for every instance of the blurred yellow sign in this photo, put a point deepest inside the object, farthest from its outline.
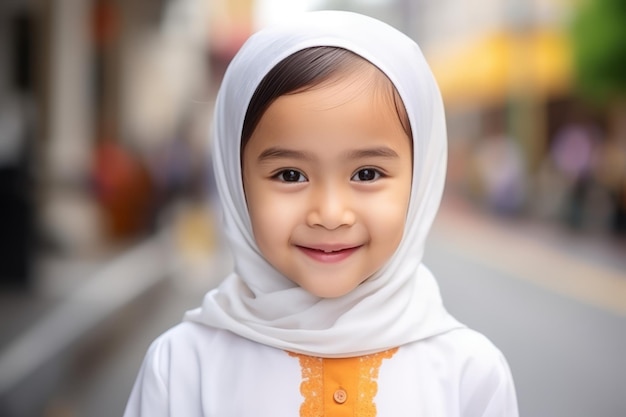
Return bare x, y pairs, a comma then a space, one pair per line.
489, 68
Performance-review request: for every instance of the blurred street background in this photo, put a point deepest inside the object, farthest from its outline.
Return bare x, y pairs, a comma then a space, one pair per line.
109, 228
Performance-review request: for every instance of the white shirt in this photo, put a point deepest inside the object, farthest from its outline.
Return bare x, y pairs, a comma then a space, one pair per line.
194, 370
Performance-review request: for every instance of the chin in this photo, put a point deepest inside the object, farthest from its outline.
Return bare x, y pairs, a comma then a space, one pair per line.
330, 292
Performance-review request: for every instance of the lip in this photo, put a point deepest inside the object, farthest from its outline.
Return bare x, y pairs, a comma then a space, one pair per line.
328, 253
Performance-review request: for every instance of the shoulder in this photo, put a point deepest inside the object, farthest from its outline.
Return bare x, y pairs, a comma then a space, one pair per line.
468, 354
481, 356
469, 368
185, 333
175, 345
471, 348
189, 337
463, 348
191, 346
187, 352
484, 376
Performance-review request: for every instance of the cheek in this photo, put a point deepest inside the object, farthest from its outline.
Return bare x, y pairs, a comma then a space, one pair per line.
391, 227
271, 218
387, 217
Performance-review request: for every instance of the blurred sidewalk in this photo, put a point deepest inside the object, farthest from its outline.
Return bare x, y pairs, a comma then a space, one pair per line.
589, 267
76, 303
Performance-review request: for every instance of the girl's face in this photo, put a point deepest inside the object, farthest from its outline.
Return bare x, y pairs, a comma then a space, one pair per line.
327, 177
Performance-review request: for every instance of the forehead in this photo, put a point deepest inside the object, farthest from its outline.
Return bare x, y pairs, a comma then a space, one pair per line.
344, 80
347, 110
353, 83
306, 69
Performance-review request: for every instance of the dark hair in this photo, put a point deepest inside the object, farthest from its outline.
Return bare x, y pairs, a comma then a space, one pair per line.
306, 69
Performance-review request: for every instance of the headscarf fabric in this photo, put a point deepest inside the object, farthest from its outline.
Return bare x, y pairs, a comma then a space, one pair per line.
401, 302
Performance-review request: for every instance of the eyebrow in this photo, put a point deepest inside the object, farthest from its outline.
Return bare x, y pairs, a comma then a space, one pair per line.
275, 152
378, 152
282, 153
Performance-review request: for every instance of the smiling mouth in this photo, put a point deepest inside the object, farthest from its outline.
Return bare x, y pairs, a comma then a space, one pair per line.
328, 255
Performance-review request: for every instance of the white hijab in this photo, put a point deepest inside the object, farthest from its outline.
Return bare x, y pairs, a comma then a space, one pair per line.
401, 302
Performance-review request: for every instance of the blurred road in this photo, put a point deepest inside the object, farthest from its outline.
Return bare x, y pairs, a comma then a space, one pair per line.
555, 304
101, 388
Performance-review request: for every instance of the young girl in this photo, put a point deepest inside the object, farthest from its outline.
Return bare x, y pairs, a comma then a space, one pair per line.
330, 157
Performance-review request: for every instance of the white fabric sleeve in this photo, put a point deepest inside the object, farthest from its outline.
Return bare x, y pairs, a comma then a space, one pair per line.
149, 396
503, 400
489, 388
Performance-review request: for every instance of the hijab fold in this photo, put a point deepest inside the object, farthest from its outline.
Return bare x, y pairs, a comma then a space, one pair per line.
401, 302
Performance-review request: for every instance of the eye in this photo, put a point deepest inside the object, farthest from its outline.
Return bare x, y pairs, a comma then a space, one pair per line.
290, 175
366, 174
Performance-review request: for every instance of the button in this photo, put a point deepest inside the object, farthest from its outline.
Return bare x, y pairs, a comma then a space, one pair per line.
340, 396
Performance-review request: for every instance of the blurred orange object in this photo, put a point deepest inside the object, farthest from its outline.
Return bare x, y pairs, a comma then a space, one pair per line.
123, 189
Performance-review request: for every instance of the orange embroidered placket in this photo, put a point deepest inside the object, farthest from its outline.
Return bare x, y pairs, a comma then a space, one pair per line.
340, 387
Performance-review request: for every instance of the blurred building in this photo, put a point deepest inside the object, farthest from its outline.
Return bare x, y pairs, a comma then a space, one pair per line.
512, 57
19, 118
104, 112
104, 117
506, 71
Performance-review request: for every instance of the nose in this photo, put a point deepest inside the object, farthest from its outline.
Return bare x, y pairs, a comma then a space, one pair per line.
331, 208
